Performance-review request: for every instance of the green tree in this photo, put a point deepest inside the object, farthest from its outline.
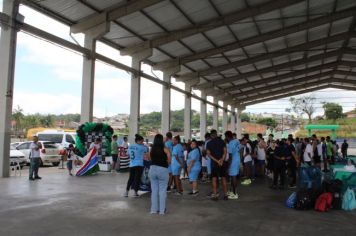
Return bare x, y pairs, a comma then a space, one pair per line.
267, 121
303, 105
245, 117
332, 110
18, 116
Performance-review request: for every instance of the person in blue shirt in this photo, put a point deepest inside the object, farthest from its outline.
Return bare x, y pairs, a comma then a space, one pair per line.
233, 149
177, 163
136, 153
169, 145
194, 166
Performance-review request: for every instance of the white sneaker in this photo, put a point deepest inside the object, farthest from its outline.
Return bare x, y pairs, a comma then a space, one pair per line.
233, 197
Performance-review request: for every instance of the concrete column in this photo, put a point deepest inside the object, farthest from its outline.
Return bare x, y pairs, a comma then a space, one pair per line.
238, 123
224, 122
215, 115
88, 74
166, 99
203, 115
233, 120
136, 93
187, 113
8, 40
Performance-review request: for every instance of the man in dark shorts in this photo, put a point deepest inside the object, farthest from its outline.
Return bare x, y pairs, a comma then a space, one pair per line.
114, 151
216, 149
292, 162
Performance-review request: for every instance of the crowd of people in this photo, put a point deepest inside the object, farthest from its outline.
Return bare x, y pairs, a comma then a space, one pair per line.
225, 159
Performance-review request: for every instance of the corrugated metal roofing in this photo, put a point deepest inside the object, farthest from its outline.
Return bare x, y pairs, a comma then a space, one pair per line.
245, 41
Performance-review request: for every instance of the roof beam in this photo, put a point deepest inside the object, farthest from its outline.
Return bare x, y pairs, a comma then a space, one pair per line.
110, 14
305, 85
280, 78
210, 24
259, 38
318, 87
343, 87
274, 68
267, 56
286, 83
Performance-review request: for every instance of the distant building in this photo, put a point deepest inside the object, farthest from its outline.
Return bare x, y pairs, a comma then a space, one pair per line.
350, 114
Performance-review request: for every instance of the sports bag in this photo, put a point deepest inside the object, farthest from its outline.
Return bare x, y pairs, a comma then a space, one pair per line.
349, 201
324, 202
292, 200
304, 200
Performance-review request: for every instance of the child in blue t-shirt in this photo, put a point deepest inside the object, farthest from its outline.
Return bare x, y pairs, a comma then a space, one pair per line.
233, 149
136, 153
169, 144
177, 163
194, 166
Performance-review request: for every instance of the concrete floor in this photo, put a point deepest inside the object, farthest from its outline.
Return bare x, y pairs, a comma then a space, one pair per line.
64, 205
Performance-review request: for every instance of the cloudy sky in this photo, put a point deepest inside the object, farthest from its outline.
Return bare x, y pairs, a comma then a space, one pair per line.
48, 79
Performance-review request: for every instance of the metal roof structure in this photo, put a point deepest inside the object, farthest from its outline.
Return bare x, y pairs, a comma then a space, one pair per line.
240, 51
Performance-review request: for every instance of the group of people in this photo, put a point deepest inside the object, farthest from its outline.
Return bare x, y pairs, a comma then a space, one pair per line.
223, 159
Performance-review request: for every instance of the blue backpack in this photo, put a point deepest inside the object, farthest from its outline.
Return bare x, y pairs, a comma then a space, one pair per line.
292, 200
349, 201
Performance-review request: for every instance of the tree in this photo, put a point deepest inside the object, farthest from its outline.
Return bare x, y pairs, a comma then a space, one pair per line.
332, 110
268, 122
18, 116
245, 117
303, 105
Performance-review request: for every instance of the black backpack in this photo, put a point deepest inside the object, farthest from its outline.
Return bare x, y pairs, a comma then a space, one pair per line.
304, 200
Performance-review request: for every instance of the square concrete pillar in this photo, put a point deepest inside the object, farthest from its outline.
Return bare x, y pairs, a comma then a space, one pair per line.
216, 115
88, 74
187, 112
8, 39
224, 121
136, 93
166, 99
203, 116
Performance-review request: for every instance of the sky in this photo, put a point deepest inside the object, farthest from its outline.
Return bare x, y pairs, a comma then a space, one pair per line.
48, 79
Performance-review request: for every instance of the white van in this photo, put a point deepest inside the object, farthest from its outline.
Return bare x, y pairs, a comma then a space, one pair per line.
57, 136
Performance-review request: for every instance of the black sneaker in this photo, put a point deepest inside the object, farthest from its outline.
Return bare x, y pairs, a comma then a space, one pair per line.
226, 197
31, 179
37, 177
169, 189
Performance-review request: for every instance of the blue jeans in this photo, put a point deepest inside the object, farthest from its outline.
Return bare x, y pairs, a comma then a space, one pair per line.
159, 181
34, 165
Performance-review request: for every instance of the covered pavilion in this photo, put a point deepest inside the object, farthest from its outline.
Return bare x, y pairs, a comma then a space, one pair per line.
241, 52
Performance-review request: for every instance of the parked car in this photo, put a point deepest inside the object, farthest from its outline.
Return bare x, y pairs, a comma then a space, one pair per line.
49, 152
57, 136
17, 156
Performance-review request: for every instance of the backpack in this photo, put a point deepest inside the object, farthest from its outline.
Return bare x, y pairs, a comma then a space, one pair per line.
349, 201
292, 200
304, 200
332, 186
323, 203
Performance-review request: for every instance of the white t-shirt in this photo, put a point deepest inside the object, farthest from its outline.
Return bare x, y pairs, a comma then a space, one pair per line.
248, 157
35, 153
261, 153
320, 149
308, 149
97, 146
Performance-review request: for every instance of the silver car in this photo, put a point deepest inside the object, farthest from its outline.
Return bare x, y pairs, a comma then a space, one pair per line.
50, 152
